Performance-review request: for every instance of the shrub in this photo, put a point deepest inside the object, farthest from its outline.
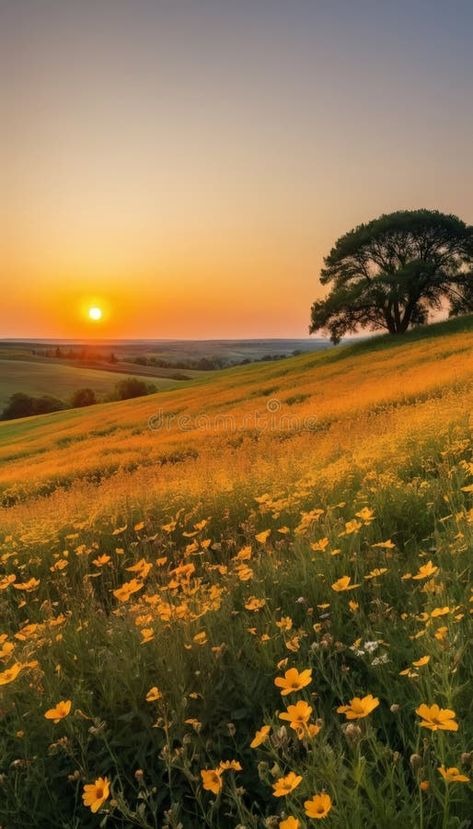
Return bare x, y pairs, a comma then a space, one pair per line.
83, 397
23, 405
132, 387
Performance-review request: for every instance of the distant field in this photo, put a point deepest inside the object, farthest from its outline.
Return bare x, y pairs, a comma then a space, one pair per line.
174, 351
60, 380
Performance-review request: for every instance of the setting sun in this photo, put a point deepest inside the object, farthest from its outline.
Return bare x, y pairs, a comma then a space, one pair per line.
95, 314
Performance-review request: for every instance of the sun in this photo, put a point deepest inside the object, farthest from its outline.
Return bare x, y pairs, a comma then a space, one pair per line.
95, 314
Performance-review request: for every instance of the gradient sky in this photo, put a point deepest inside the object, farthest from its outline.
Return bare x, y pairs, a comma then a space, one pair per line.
186, 164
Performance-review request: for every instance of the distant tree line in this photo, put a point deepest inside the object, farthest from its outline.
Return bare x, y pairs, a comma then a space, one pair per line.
81, 353
206, 363
25, 405
88, 354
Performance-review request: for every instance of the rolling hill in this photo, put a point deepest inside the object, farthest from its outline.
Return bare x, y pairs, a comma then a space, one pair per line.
37, 378
248, 594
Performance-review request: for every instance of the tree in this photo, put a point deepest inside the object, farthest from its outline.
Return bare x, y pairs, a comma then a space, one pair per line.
83, 397
23, 405
47, 404
19, 405
132, 387
388, 274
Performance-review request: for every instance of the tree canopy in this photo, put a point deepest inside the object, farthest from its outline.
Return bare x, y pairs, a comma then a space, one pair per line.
389, 273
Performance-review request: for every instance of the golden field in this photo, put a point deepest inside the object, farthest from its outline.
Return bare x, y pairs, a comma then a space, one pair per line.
246, 602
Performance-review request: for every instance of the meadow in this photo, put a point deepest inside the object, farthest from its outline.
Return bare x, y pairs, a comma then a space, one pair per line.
245, 602
59, 380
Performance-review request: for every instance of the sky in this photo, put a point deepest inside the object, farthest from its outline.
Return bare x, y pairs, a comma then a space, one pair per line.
185, 165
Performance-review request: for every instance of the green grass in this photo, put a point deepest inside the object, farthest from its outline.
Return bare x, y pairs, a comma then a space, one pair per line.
59, 380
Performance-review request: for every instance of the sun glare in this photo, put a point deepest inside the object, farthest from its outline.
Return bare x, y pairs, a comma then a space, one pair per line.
95, 314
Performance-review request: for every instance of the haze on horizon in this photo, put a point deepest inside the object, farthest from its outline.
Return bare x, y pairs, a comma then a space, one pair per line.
185, 166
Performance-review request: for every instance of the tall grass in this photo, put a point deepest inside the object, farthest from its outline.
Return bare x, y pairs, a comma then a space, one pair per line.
239, 537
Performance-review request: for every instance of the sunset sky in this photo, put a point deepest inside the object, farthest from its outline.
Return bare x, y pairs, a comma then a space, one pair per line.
184, 165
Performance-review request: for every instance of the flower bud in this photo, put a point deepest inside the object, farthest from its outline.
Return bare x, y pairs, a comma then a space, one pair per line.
352, 732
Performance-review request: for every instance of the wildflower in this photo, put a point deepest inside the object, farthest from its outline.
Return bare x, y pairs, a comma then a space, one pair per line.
60, 710
261, 736
320, 546
440, 611
419, 663
293, 644
244, 554
359, 707
293, 680
437, 719
378, 571
124, 592
285, 623
61, 564
26, 632
408, 672
309, 730
382, 659
6, 650
100, 561
424, 785
200, 638
229, 765
290, 823
255, 604
343, 584
352, 527
297, 715
426, 571
196, 724
366, 515
244, 572
319, 806
385, 545
441, 633
95, 794
285, 785
28, 586
10, 673
453, 775
263, 536
212, 780
153, 694
142, 567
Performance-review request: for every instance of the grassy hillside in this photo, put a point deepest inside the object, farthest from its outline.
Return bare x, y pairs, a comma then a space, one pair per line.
59, 380
165, 560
